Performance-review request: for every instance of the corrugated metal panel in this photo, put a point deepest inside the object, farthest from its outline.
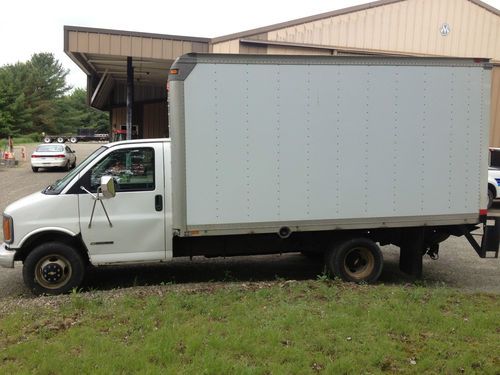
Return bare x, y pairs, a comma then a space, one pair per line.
232, 46
142, 93
118, 117
296, 51
115, 45
131, 45
411, 26
155, 123
167, 48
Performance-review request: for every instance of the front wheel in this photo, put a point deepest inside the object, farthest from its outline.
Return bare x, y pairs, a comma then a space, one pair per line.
53, 268
355, 260
47, 140
60, 140
73, 139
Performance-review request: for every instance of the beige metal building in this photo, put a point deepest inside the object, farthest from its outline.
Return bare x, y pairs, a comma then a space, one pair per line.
456, 28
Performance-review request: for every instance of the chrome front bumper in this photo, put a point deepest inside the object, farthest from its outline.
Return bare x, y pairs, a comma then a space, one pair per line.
6, 257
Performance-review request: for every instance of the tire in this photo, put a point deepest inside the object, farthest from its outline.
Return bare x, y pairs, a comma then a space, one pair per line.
355, 260
53, 268
34, 169
73, 140
67, 167
60, 140
47, 140
74, 165
490, 198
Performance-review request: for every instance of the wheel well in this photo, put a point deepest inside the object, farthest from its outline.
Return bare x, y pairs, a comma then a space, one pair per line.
52, 236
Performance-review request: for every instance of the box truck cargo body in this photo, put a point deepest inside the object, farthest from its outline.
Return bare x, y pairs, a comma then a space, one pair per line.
329, 156
317, 143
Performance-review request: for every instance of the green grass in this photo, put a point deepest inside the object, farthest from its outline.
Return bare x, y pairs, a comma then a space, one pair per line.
279, 328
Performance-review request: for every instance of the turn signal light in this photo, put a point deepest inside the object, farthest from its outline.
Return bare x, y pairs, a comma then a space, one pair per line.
7, 229
174, 71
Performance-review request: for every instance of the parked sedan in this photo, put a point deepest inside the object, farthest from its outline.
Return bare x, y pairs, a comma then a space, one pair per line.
493, 190
53, 156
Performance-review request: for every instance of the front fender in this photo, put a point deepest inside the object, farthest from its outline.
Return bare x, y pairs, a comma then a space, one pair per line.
26, 238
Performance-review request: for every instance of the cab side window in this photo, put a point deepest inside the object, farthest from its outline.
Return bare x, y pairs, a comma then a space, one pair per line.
132, 170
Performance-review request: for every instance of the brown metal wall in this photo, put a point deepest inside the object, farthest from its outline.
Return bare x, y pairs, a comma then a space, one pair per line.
232, 46
103, 43
118, 117
411, 26
155, 123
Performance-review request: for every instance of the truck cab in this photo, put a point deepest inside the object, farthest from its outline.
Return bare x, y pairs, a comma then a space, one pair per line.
58, 231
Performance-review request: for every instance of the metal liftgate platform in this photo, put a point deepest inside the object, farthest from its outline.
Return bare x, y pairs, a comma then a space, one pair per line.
490, 238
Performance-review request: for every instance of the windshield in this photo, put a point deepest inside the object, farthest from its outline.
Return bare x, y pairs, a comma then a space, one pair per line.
50, 148
59, 185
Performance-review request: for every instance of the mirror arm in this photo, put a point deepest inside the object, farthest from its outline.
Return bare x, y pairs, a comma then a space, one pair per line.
97, 198
91, 194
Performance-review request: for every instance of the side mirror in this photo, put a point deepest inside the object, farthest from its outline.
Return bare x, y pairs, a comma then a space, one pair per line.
108, 187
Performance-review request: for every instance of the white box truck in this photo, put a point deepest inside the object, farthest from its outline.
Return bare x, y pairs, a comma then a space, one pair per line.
273, 154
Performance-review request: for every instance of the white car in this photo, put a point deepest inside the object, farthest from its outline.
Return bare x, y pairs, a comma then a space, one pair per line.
493, 175
493, 189
53, 156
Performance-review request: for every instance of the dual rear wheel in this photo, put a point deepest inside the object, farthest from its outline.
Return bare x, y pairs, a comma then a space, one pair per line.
355, 260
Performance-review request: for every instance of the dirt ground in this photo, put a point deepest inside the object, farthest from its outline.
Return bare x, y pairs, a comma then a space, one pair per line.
458, 266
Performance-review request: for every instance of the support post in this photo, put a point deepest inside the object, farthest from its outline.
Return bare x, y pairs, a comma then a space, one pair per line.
412, 251
130, 96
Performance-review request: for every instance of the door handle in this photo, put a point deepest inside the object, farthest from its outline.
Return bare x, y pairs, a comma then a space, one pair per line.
158, 202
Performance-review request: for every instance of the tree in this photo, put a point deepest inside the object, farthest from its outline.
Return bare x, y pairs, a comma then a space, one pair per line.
35, 98
75, 113
46, 83
15, 115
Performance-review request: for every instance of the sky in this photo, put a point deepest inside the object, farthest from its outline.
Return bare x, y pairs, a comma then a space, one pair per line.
33, 26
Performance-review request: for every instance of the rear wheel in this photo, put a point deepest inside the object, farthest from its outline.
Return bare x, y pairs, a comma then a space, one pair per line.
355, 260
60, 140
73, 139
34, 169
47, 140
53, 268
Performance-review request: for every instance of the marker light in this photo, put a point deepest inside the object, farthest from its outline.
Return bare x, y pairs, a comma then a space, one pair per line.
8, 231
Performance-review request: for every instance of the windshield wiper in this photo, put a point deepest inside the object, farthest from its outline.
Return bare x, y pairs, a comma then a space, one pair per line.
50, 187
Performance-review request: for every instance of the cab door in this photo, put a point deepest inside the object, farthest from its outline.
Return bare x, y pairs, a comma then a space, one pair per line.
135, 231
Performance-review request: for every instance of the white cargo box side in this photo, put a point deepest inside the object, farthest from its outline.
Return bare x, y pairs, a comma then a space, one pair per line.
313, 143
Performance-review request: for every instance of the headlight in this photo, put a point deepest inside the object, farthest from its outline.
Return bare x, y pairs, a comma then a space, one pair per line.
8, 229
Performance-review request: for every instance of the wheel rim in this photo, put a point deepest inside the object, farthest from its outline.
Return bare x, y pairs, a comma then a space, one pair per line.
359, 263
53, 271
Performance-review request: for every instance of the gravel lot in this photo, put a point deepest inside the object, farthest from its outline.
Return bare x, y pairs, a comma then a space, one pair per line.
458, 266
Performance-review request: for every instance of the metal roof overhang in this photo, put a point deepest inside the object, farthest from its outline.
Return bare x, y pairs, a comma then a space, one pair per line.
102, 55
